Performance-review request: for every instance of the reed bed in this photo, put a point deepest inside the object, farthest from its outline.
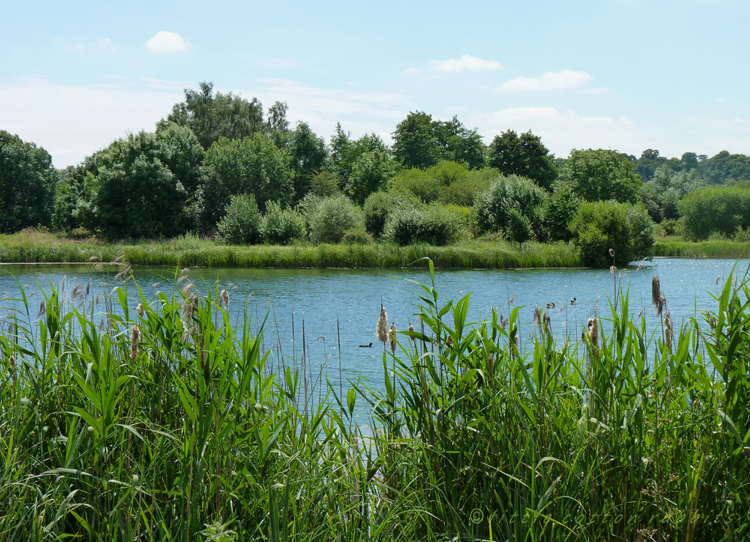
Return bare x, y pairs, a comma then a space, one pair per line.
126, 418
702, 249
191, 251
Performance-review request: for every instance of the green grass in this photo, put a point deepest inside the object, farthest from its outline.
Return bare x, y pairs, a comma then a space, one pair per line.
188, 430
37, 247
701, 249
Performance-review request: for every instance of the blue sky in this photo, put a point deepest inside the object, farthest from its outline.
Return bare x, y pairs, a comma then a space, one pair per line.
621, 74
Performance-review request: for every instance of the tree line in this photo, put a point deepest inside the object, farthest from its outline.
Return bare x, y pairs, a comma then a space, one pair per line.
219, 165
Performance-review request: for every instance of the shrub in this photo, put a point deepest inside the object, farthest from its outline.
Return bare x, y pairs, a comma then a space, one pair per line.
465, 190
241, 222
742, 235
519, 227
669, 226
281, 226
417, 183
379, 204
324, 184
357, 236
715, 210
506, 193
600, 226
433, 224
559, 210
328, 219
602, 174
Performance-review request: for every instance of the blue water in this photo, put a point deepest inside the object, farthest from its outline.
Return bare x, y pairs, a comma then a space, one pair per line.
320, 297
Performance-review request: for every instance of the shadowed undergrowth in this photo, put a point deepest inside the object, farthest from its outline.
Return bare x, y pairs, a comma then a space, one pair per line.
166, 422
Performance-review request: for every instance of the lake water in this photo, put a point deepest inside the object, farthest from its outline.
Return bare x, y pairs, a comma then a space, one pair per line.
320, 297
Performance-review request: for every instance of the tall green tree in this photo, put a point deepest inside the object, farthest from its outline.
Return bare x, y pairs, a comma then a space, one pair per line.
308, 157
212, 116
27, 184
143, 184
602, 175
523, 155
422, 142
252, 166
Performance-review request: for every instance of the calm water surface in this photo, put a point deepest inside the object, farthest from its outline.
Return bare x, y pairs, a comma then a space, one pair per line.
320, 297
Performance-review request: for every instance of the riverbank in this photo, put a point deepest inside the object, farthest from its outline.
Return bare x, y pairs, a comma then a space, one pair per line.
678, 248
190, 251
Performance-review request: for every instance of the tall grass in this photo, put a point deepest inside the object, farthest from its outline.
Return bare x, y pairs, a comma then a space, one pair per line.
192, 251
702, 249
183, 430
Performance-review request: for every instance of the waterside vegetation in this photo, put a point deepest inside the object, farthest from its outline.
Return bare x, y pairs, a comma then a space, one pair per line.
158, 419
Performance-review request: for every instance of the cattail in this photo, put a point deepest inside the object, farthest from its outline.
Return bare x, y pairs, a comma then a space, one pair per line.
593, 327
668, 329
88, 288
411, 328
392, 337
225, 298
42, 309
661, 306
612, 270
611, 253
382, 329
547, 322
449, 342
140, 310
516, 341
537, 317
655, 291
135, 339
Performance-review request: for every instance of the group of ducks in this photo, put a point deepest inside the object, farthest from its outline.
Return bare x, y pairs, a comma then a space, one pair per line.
550, 305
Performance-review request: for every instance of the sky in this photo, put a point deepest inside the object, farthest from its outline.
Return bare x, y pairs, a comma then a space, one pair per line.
630, 75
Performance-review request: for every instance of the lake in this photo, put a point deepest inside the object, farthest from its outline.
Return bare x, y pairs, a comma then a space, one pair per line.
353, 296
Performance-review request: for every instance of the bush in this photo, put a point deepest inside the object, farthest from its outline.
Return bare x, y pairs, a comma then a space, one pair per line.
519, 227
418, 183
357, 236
559, 210
600, 226
433, 224
324, 185
328, 219
742, 236
511, 192
465, 190
281, 226
669, 226
379, 204
715, 210
241, 222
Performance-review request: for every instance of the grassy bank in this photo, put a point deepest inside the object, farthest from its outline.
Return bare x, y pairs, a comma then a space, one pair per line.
166, 423
38, 247
701, 249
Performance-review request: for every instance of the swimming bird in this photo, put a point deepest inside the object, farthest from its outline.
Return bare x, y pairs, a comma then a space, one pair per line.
365, 345
573, 301
550, 305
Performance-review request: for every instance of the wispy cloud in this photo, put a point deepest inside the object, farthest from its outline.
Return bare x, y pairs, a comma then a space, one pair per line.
167, 43
106, 46
563, 80
457, 65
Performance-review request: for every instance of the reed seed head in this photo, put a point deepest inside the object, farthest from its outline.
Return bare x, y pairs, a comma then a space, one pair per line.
392, 337
140, 310
382, 329
668, 329
225, 298
661, 306
537, 317
611, 253
411, 328
655, 291
593, 327
547, 322
135, 340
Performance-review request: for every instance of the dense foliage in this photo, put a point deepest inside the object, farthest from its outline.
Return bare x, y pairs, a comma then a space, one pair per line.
715, 210
27, 184
214, 146
173, 422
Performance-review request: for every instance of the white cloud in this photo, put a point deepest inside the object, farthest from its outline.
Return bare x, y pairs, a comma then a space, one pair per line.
410, 71
562, 80
72, 122
562, 131
465, 63
106, 46
168, 42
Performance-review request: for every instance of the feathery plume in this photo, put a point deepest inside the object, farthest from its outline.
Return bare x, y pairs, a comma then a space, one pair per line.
382, 329
135, 340
13, 373
593, 327
661, 306
655, 291
183, 275
225, 298
547, 322
537, 317
411, 328
42, 309
392, 337
140, 310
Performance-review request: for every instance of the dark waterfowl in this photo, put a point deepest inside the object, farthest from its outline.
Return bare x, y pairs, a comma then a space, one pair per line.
550, 305
365, 345
573, 301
